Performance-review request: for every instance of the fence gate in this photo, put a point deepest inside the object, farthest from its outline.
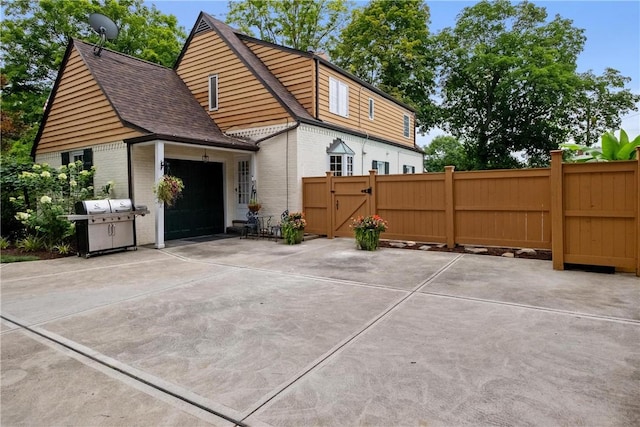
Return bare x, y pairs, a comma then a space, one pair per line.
350, 196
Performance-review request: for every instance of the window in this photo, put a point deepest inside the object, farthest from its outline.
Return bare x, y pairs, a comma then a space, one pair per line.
371, 108
335, 165
85, 156
406, 126
340, 158
381, 167
244, 182
408, 169
338, 97
213, 92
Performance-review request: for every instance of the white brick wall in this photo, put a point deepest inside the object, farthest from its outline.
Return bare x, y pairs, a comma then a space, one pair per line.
308, 157
110, 161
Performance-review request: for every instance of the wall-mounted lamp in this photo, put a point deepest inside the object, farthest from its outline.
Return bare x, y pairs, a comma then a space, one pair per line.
205, 158
164, 165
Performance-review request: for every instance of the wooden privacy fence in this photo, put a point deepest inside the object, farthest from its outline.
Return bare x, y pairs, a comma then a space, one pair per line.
592, 207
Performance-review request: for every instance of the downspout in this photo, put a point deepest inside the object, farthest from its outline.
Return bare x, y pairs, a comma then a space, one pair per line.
287, 167
363, 152
129, 172
317, 61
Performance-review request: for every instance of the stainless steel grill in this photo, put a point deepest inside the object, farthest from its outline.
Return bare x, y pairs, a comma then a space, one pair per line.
105, 225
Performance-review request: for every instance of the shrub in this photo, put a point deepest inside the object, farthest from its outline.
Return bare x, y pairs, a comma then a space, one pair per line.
30, 244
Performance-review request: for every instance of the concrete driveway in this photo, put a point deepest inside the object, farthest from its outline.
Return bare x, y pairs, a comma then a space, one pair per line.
252, 332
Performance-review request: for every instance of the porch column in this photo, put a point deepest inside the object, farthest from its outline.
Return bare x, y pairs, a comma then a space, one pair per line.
159, 172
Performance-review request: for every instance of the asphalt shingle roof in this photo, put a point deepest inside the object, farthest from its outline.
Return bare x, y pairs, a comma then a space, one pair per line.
153, 98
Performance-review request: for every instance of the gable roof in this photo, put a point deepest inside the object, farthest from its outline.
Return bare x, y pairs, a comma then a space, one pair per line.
231, 37
149, 98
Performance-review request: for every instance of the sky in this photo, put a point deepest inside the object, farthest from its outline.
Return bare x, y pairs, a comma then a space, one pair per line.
612, 29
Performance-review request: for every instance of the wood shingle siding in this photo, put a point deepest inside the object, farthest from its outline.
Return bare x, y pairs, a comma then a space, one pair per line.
295, 72
388, 120
80, 115
243, 101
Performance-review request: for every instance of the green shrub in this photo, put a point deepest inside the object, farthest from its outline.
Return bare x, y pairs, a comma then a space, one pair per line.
30, 244
611, 149
4, 243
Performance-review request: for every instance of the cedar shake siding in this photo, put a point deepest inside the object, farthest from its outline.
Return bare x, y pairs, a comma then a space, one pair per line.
80, 114
243, 101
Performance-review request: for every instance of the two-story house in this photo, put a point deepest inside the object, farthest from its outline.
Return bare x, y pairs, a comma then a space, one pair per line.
235, 114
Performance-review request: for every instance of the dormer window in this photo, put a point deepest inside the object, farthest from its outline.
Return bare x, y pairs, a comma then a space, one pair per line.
213, 92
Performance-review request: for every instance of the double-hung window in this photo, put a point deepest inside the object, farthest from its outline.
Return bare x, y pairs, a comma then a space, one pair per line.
213, 92
340, 158
338, 97
381, 167
408, 169
406, 124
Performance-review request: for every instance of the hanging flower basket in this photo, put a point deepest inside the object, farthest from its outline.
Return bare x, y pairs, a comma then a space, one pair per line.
168, 190
367, 231
254, 205
293, 228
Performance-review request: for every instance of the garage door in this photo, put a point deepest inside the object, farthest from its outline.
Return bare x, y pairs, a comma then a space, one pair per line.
200, 210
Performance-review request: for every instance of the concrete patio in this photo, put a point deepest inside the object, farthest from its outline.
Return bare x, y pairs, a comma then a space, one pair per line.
246, 332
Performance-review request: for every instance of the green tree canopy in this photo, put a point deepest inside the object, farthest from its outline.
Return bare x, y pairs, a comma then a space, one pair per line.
35, 35
600, 104
444, 151
508, 80
387, 44
299, 24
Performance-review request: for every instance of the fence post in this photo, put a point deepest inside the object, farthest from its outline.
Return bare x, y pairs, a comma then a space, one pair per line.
638, 212
373, 200
557, 211
329, 193
449, 208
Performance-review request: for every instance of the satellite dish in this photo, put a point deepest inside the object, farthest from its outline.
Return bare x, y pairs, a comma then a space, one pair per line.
106, 29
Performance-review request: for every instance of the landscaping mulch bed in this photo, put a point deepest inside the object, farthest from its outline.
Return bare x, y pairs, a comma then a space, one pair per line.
540, 254
13, 252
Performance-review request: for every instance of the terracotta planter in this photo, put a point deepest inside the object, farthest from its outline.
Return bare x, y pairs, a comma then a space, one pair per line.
294, 238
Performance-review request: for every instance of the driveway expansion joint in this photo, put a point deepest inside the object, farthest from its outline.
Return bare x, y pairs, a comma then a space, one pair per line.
116, 366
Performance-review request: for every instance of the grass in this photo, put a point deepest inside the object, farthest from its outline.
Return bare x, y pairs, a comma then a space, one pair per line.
5, 259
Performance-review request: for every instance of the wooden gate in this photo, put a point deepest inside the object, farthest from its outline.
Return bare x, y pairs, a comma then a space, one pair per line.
350, 197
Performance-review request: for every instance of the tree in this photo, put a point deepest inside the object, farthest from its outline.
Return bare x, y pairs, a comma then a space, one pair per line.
444, 151
35, 34
508, 81
299, 24
600, 104
387, 43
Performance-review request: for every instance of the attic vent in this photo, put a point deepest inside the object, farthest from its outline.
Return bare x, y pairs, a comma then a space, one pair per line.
202, 26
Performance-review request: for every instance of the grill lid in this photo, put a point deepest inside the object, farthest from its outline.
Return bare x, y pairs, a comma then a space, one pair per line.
121, 205
93, 207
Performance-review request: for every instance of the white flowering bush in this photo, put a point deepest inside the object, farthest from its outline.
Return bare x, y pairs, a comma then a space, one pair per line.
43, 194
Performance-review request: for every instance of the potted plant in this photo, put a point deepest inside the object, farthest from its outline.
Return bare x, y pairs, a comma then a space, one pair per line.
254, 205
168, 189
367, 231
293, 228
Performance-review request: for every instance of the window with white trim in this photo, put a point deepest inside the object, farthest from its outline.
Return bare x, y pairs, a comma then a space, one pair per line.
371, 108
340, 158
406, 123
213, 92
338, 97
408, 169
381, 167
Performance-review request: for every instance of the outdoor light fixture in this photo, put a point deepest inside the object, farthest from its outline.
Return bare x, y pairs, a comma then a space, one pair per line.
205, 158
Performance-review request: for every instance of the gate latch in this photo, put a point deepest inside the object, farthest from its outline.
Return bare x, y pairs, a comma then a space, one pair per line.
366, 190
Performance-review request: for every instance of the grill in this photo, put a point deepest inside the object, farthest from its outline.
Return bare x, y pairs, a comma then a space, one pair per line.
105, 225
